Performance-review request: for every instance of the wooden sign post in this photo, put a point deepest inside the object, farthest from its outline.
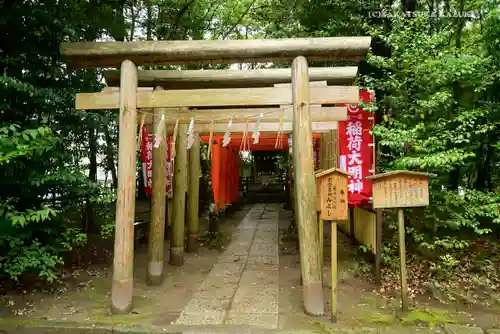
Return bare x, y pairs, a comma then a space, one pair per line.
320, 221
401, 189
333, 206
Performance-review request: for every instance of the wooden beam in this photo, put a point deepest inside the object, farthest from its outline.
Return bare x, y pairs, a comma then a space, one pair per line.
269, 96
263, 136
305, 190
196, 79
241, 115
117, 89
111, 54
238, 128
312, 84
123, 259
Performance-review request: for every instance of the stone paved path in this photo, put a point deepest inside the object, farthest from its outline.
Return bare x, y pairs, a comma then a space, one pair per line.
243, 287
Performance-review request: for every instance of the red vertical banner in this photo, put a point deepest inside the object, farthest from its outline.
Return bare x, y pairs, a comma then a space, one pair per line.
230, 176
227, 173
147, 159
316, 153
216, 173
237, 178
356, 152
223, 177
147, 162
170, 169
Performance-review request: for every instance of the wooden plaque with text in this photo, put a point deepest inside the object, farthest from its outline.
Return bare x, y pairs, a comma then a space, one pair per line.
333, 194
400, 189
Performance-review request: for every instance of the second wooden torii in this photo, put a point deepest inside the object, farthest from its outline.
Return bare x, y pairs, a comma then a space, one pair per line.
196, 79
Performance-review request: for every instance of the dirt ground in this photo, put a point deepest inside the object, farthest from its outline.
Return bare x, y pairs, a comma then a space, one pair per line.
359, 302
85, 297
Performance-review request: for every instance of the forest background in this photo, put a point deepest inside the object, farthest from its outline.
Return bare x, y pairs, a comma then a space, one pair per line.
434, 67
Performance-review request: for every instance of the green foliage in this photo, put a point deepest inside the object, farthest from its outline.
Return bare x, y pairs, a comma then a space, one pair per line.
437, 96
213, 239
427, 317
45, 189
33, 233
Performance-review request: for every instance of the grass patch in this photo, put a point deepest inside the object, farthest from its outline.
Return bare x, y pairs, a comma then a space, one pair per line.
380, 319
427, 317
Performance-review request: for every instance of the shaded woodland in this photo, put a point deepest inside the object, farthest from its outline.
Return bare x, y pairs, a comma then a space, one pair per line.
434, 67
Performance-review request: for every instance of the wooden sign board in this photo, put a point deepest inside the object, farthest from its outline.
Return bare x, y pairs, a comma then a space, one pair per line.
400, 189
333, 194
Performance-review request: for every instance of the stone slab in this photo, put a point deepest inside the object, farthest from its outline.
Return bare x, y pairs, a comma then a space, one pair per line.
205, 318
216, 290
266, 237
240, 233
227, 272
270, 215
264, 249
260, 266
262, 320
264, 260
240, 248
246, 226
255, 300
229, 257
260, 278
267, 228
462, 329
245, 237
199, 304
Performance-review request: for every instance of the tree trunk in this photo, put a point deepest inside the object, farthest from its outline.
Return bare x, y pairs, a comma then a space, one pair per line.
149, 22
454, 178
91, 225
133, 19
483, 181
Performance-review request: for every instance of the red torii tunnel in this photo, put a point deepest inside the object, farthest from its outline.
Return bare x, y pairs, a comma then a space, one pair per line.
226, 162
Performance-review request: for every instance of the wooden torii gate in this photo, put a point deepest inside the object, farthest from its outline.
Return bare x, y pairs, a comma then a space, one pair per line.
196, 79
128, 55
324, 119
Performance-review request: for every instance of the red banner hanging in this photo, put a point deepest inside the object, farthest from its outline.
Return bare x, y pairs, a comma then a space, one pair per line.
356, 150
316, 153
147, 159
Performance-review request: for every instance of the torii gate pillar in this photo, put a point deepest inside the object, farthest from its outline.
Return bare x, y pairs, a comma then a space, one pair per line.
305, 190
123, 258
